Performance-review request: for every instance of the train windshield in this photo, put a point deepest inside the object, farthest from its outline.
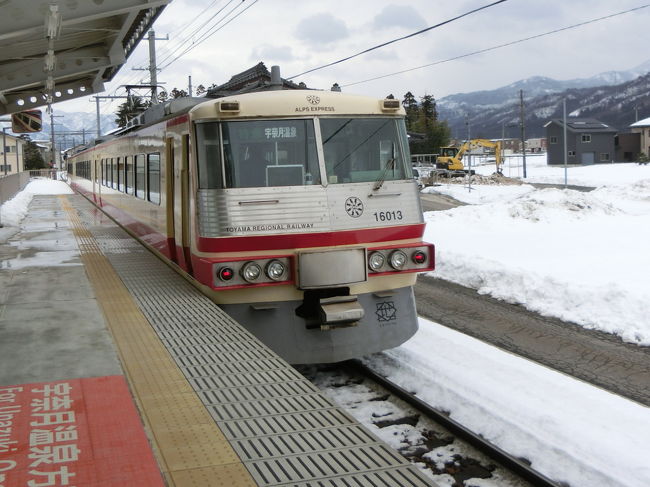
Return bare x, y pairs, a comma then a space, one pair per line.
258, 153
364, 149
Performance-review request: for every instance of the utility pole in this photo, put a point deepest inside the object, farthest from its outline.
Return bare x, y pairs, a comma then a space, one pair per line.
99, 123
564, 141
153, 68
523, 127
189, 85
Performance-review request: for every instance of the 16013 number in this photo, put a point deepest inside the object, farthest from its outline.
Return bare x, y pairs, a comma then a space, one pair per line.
387, 216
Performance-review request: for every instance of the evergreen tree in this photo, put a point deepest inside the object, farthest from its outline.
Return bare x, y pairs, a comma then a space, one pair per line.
423, 118
200, 90
410, 104
132, 107
32, 157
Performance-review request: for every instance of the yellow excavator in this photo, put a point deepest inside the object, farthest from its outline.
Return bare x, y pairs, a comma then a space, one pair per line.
450, 158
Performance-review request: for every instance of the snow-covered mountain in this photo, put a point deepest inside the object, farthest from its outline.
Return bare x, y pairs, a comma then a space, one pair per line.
615, 97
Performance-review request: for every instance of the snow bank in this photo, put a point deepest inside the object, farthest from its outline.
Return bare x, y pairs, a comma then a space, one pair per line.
564, 426
13, 211
580, 257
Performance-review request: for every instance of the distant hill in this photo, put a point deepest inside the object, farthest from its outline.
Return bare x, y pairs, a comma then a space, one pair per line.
613, 97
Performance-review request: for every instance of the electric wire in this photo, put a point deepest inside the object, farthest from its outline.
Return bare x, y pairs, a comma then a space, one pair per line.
448, 21
210, 33
511, 43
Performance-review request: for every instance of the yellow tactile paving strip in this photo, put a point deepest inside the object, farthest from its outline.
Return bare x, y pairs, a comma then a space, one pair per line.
190, 448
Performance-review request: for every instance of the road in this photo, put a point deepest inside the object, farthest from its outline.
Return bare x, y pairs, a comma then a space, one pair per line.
599, 358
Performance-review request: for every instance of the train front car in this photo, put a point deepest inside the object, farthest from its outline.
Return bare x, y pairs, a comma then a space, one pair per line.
309, 225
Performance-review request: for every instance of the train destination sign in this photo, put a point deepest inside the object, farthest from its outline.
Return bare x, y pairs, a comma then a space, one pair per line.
73, 433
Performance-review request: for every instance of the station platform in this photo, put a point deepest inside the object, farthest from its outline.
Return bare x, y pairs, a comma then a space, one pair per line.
116, 371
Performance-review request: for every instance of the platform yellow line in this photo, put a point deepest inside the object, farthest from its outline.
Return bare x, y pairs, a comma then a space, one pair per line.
190, 448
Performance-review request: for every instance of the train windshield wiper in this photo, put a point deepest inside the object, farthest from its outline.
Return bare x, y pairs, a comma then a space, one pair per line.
390, 164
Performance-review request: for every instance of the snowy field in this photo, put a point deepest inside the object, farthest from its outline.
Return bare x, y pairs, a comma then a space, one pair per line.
582, 257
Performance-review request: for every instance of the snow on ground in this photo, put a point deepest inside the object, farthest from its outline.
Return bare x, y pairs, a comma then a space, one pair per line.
14, 210
570, 431
583, 257
579, 256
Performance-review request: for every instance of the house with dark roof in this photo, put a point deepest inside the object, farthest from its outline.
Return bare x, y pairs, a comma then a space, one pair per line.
257, 78
589, 141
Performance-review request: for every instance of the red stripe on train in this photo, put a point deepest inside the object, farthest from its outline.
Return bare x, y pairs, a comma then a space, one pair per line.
307, 240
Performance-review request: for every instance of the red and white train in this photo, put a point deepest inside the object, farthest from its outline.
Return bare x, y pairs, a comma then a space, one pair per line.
295, 210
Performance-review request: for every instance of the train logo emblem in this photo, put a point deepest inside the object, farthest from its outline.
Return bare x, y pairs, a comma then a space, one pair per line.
354, 207
313, 99
386, 311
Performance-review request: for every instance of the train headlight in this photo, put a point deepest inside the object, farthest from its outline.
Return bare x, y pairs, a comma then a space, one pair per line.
275, 270
397, 259
376, 261
250, 271
419, 257
226, 274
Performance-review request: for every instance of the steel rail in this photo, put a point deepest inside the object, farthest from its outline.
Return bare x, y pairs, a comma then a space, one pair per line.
515, 465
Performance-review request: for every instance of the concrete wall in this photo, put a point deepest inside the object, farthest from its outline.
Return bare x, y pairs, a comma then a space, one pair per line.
12, 184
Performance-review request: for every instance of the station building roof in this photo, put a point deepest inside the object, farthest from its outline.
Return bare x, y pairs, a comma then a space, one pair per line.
60, 50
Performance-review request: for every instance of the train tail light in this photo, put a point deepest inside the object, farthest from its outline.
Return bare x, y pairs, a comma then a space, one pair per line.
225, 274
419, 257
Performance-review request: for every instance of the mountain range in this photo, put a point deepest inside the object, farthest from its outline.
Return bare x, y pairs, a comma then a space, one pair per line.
617, 98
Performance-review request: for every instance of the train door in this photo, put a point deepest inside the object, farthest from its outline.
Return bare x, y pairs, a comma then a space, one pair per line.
96, 180
169, 200
185, 202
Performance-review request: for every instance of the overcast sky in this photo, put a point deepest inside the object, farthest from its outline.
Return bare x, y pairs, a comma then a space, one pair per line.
301, 35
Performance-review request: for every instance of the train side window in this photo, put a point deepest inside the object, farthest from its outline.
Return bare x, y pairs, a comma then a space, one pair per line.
153, 177
120, 174
209, 169
113, 173
140, 176
128, 175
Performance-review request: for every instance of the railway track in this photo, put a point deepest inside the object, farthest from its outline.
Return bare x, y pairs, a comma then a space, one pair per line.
426, 436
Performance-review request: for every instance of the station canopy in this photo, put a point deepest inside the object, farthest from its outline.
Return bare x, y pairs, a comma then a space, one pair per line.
52, 51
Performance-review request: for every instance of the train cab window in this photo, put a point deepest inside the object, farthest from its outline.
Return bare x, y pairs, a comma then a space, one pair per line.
364, 149
128, 174
140, 175
153, 178
264, 153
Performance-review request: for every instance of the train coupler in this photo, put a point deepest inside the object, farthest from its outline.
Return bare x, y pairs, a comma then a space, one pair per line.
339, 312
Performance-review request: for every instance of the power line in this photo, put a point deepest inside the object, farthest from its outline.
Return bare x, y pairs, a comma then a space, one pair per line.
196, 30
481, 51
400, 38
210, 33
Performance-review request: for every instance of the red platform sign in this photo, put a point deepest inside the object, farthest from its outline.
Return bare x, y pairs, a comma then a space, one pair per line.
81, 432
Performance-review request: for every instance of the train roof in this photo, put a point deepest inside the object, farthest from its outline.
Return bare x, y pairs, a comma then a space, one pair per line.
293, 103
